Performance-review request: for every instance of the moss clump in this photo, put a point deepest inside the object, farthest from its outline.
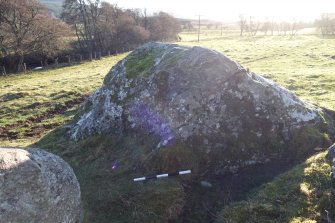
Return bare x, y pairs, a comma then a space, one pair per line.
141, 61
306, 139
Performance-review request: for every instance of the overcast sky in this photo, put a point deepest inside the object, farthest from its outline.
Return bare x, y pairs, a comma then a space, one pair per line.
229, 10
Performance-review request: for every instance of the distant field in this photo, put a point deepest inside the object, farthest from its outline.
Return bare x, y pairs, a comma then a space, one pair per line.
34, 103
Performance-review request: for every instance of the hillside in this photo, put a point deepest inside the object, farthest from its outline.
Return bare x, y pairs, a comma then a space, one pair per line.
54, 6
303, 64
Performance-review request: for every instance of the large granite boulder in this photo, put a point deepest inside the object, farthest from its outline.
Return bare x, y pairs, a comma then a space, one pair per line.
198, 100
37, 186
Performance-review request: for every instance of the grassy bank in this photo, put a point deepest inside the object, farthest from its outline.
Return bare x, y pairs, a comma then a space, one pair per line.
34, 103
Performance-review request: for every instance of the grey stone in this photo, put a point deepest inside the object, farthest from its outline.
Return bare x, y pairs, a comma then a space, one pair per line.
37, 186
331, 152
331, 158
199, 97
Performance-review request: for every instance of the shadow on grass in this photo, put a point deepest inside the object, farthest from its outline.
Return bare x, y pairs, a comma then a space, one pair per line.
302, 194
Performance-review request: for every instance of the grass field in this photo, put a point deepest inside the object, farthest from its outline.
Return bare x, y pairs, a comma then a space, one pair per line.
33, 104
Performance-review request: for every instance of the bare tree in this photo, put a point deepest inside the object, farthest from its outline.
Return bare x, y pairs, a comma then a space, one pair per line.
273, 25
25, 26
130, 35
18, 18
75, 13
253, 26
103, 26
162, 26
266, 26
243, 24
294, 27
283, 28
326, 24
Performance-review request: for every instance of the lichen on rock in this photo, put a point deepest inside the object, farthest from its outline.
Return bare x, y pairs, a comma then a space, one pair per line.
202, 99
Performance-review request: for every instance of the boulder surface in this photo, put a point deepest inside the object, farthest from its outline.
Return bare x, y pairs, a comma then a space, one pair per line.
331, 158
203, 101
37, 186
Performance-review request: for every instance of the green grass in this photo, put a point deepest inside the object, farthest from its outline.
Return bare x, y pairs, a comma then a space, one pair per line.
303, 64
41, 94
303, 194
110, 195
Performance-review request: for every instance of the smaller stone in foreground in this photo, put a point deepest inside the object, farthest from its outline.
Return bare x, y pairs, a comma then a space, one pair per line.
37, 186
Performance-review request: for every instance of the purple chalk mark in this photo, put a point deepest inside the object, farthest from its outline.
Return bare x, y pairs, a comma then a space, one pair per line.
152, 121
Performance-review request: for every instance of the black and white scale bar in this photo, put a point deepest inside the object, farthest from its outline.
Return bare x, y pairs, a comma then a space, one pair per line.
162, 175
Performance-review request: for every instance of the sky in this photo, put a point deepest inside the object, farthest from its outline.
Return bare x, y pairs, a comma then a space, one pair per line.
229, 10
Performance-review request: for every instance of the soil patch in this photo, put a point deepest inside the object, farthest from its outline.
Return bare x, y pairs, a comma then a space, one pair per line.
10, 132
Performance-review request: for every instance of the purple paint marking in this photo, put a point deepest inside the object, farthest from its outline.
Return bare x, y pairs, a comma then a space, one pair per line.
151, 121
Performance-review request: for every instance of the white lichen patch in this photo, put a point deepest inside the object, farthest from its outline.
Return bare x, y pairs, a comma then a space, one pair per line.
297, 109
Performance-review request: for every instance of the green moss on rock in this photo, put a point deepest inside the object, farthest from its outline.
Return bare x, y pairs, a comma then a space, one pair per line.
141, 61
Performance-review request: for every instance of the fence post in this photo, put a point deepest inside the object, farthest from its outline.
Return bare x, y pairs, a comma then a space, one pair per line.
99, 55
69, 59
109, 52
56, 62
3, 70
80, 58
90, 56
24, 67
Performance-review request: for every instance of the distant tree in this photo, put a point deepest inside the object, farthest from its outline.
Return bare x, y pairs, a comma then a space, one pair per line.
273, 26
186, 25
81, 15
266, 26
108, 22
283, 28
326, 24
129, 34
104, 26
136, 15
253, 26
243, 24
50, 39
163, 26
294, 27
26, 28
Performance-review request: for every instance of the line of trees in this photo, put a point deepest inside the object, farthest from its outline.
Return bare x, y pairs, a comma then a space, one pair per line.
30, 35
251, 26
102, 26
327, 24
